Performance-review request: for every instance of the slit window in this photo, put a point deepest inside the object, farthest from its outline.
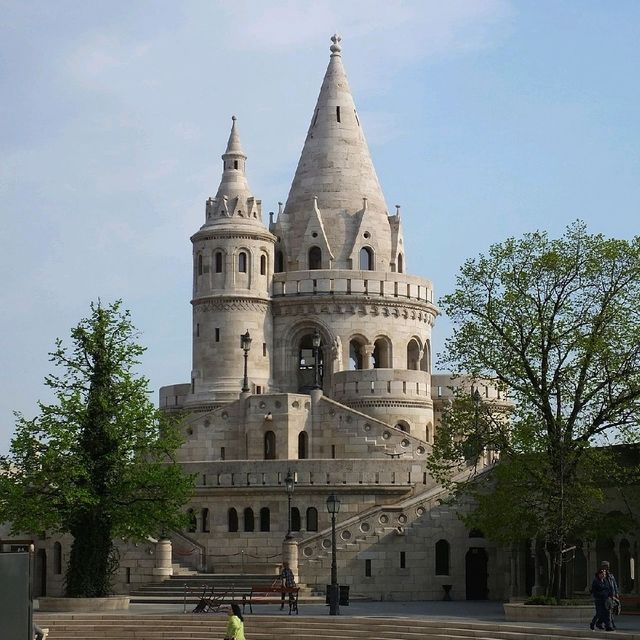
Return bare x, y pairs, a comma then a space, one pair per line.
217, 334
235, 164
338, 114
367, 568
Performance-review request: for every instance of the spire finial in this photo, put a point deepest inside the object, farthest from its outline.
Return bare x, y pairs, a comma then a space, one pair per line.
335, 47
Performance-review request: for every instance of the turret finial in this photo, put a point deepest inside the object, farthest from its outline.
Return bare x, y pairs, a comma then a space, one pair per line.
234, 118
335, 47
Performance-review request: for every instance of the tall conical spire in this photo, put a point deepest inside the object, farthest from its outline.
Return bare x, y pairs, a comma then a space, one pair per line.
233, 198
234, 161
335, 165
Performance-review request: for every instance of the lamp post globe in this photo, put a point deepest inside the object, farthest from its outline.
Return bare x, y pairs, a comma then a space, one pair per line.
245, 345
315, 341
333, 507
289, 483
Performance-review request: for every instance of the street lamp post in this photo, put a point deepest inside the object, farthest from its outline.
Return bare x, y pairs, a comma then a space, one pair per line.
245, 344
315, 341
289, 483
333, 506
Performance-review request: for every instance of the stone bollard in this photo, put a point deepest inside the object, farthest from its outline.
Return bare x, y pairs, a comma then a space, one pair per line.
164, 565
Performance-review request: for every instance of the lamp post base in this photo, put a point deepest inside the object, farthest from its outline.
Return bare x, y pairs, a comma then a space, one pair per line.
333, 591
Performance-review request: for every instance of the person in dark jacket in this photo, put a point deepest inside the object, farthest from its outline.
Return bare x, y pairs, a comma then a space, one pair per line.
613, 584
601, 592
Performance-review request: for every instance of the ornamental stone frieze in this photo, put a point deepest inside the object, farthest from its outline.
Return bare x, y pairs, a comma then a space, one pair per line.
421, 312
375, 402
204, 305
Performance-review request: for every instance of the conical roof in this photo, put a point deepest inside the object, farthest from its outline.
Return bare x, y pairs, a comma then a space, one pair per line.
234, 203
335, 165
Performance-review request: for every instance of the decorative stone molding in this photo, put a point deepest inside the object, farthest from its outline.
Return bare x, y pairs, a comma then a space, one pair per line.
206, 304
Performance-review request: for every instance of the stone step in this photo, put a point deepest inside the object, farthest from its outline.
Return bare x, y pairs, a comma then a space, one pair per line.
208, 626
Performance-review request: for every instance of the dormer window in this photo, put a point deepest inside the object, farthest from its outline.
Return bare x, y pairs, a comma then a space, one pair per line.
366, 259
315, 258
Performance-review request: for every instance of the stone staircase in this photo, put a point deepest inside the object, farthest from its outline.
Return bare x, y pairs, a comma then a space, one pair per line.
212, 626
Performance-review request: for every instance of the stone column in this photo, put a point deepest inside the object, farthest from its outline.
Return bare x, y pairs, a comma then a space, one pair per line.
164, 567
290, 555
367, 356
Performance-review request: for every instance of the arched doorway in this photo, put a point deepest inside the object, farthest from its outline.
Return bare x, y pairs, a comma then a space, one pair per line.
307, 364
476, 562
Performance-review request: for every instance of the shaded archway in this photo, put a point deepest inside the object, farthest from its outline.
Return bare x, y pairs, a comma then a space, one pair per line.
476, 562
315, 258
366, 259
413, 355
382, 353
307, 363
269, 445
302, 445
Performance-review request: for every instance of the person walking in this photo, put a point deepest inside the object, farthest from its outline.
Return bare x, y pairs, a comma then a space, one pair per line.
287, 580
235, 624
613, 585
601, 592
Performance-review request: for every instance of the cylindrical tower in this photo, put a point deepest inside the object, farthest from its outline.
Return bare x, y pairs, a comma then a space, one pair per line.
232, 272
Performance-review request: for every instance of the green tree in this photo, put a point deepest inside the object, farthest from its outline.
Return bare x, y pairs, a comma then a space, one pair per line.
555, 324
98, 463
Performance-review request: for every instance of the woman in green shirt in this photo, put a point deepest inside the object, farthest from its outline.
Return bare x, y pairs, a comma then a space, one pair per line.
235, 624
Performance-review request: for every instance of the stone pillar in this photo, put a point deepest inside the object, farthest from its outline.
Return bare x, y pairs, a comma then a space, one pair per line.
290, 555
164, 567
367, 356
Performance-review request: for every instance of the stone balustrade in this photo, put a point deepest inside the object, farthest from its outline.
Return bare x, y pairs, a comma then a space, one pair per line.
382, 383
270, 474
376, 284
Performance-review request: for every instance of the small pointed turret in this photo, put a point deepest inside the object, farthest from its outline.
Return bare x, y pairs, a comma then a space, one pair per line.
335, 165
233, 198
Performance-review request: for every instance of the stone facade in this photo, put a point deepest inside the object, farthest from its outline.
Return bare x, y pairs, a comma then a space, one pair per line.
341, 392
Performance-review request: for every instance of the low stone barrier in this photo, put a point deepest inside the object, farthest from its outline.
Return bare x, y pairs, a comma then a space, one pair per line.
519, 612
111, 603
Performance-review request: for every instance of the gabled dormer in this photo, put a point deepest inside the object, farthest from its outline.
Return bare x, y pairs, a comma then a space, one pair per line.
366, 248
315, 252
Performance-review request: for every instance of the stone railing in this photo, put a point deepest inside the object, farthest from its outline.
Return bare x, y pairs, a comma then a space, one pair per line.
381, 383
271, 473
376, 284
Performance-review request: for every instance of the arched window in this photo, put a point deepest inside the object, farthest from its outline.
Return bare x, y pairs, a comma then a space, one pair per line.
265, 519
366, 259
249, 524
403, 426
263, 265
269, 445
315, 258
218, 260
205, 520
312, 519
413, 355
442, 558
295, 519
200, 267
355, 355
279, 262
232, 520
302, 445
381, 354
400, 263
57, 558
192, 525
242, 262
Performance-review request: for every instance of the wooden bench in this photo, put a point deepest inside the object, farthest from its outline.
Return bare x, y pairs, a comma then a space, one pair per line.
263, 594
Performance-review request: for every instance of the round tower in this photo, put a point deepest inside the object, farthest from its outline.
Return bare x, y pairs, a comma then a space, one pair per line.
340, 275
232, 269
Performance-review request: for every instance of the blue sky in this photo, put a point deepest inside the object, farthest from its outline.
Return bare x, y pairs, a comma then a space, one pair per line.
485, 119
